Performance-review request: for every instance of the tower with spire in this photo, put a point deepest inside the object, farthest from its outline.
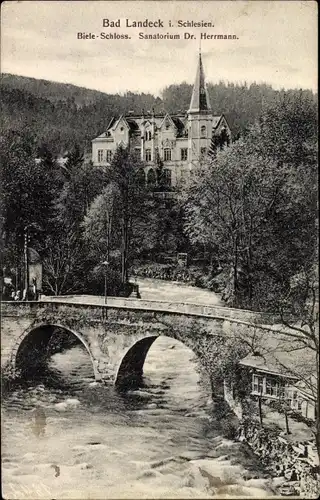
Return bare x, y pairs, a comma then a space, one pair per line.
200, 118
181, 141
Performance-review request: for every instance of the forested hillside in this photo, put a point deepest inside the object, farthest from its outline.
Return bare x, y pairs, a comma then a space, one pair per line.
63, 115
62, 123
53, 91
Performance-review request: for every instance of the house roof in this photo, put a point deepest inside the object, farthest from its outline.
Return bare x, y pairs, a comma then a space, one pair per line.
104, 135
179, 124
111, 122
283, 355
261, 363
133, 125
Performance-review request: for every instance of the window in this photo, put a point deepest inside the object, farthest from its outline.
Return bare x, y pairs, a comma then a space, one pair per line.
203, 152
203, 131
167, 177
257, 384
148, 155
151, 177
141, 177
137, 153
292, 398
184, 154
267, 386
108, 155
272, 387
167, 154
148, 135
100, 155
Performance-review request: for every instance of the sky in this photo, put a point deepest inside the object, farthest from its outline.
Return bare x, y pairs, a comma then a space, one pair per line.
276, 43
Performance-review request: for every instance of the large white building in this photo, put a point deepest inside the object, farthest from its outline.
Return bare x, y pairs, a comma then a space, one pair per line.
180, 140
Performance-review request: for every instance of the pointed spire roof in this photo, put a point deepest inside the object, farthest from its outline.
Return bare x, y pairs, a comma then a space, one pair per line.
200, 97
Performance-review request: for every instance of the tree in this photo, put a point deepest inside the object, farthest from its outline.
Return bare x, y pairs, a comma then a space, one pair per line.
161, 184
63, 264
257, 201
228, 204
124, 173
28, 188
218, 142
64, 252
99, 231
299, 311
72, 203
102, 237
160, 231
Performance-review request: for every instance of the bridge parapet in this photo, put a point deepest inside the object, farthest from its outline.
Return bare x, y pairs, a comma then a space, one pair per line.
178, 307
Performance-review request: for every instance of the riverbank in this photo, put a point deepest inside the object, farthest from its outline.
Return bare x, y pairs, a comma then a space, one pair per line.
296, 463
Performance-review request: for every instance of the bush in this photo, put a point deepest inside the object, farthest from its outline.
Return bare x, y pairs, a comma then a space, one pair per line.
192, 275
96, 281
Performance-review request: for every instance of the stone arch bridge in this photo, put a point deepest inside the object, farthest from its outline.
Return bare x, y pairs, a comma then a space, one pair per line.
119, 335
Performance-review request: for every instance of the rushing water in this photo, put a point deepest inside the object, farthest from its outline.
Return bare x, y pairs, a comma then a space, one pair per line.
164, 441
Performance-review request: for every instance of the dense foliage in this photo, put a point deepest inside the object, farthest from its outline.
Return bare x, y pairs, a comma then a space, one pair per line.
255, 204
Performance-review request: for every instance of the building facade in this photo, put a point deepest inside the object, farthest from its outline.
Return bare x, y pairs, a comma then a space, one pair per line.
271, 383
181, 141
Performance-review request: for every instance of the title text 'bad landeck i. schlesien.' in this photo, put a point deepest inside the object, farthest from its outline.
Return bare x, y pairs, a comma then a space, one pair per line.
159, 23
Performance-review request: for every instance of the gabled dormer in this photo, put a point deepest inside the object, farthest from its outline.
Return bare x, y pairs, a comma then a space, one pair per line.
220, 125
168, 125
121, 125
120, 131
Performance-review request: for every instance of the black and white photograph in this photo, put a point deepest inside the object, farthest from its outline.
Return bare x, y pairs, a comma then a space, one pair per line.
159, 249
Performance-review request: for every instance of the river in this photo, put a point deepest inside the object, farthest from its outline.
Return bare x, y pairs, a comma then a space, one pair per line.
167, 440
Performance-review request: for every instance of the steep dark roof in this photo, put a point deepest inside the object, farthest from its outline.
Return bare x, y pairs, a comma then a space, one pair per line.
111, 122
200, 97
179, 124
133, 125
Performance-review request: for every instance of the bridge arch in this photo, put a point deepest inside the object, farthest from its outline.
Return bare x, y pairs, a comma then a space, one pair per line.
38, 338
130, 369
